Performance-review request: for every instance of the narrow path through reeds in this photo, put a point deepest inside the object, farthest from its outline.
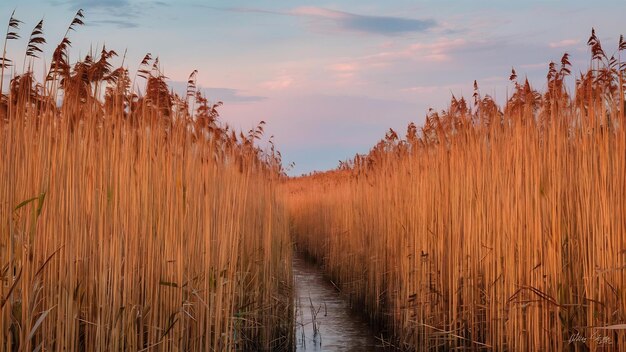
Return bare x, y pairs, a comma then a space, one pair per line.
324, 318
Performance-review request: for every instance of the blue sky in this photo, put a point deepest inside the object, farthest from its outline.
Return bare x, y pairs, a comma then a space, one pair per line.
330, 78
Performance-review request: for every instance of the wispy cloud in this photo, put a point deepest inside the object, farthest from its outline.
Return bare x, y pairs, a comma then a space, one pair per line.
386, 25
440, 50
92, 4
118, 23
327, 19
564, 43
214, 94
389, 61
344, 67
345, 73
229, 95
118, 13
535, 66
421, 89
278, 83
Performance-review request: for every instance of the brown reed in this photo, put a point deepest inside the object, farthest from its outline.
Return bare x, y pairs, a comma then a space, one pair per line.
489, 228
134, 221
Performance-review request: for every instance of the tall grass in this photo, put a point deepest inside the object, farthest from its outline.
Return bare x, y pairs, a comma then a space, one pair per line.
488, 228
134, 221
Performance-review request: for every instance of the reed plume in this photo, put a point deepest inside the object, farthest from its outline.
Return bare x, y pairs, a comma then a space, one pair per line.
497, 228
134, 220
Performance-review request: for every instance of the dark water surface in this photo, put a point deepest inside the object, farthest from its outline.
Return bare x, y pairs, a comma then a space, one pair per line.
323, 317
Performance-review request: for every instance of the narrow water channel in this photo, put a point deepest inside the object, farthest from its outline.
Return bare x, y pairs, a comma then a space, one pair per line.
324, 320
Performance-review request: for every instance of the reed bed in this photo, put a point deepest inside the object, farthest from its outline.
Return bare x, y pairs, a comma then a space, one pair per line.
489, 228
133, 219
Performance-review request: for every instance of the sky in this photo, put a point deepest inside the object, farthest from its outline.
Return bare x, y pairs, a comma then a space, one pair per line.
330, 78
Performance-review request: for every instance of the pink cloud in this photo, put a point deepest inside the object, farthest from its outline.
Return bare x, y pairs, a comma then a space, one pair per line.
437, 51
441, 45
344, 67
319, 12
534, 66
564, 43
278, 83
345, 73
428, 89
421, 89
348, 70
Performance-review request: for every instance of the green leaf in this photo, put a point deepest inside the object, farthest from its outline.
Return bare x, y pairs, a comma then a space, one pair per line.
167, 283
24, 203
40, 199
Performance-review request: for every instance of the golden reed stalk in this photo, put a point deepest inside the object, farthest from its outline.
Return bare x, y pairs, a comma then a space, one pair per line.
135, 223
490, 229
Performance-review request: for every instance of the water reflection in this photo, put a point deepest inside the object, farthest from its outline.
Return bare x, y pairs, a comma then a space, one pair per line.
323, 317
